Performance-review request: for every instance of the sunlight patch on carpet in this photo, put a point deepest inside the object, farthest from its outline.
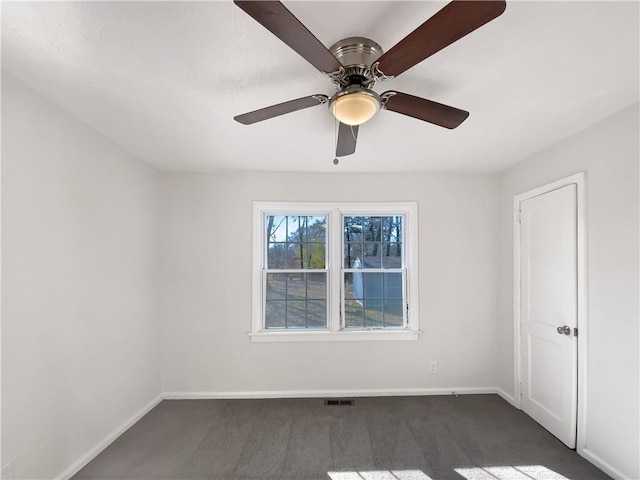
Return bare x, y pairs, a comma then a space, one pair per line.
380, 475
520, 472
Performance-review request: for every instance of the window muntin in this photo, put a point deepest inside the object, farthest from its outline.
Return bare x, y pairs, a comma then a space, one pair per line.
373, 277
295, 278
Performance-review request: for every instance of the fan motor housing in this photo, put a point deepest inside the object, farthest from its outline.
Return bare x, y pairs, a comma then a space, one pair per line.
356, 54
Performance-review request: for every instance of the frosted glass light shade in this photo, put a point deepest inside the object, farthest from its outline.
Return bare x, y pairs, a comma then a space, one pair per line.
354, 106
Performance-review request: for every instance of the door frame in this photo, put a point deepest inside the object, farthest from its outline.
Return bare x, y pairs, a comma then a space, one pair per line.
581, 198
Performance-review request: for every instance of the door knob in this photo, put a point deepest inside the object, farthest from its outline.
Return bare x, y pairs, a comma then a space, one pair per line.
564, 330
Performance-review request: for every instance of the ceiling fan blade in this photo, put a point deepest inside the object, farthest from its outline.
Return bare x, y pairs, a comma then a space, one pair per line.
423, 109
450, 24
347, 138
280, 109
275, 17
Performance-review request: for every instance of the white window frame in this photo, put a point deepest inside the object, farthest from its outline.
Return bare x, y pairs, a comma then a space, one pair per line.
335, 212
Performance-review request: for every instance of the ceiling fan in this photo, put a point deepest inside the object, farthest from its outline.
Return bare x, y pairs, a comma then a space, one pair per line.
355, 64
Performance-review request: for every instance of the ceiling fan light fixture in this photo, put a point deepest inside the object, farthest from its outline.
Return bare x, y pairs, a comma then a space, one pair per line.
354, 105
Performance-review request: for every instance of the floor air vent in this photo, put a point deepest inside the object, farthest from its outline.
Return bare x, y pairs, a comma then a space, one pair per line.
339, 401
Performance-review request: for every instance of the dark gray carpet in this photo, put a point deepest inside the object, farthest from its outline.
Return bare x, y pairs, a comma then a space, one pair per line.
405, 438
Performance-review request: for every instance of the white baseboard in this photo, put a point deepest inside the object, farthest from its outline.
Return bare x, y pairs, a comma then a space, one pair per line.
105, 442
393, 392
602, 465
507, 396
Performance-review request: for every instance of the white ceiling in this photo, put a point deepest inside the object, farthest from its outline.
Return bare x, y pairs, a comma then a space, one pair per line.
164, 80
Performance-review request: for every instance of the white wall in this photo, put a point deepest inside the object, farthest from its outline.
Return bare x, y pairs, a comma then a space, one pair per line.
206, 286
608, 153
80, 328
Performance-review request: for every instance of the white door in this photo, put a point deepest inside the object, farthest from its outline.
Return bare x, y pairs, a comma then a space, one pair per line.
548, 332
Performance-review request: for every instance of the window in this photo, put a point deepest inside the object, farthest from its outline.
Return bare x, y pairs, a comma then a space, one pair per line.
327, 271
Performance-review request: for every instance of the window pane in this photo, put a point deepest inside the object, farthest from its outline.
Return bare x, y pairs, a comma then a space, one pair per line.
316, 286
276, 228
387, 228
372, 232
353, 255
393, 313
293, 255
394, 229
294, 232
372, 285
296, 286
393, 286
373, 313
316, 314
308, 255
275, 314
276, 286
296, 300
353, 286
391, 255
277, 255
316, 229
371, 257
298, 227
296, 314
353, 314
352, 229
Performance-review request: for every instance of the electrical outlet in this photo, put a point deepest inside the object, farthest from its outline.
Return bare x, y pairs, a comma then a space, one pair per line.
433, 367
7, 472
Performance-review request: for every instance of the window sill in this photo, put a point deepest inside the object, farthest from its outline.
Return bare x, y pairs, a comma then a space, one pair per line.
333, 336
